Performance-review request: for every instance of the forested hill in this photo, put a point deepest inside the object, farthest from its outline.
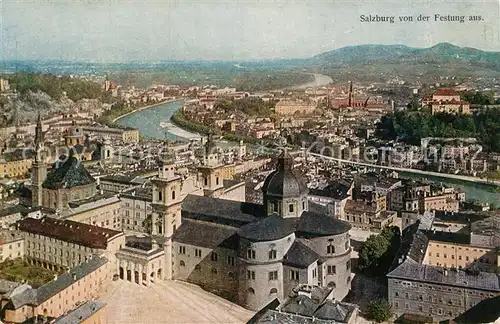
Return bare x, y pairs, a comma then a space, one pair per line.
440, 53
411, 126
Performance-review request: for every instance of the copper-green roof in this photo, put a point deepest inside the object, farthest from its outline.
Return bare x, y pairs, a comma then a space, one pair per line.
68, 174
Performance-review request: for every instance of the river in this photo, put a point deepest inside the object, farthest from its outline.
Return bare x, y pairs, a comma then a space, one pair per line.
475, 191
148, 122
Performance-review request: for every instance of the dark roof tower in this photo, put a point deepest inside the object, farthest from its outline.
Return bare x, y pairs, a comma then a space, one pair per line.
38, 132
283, 187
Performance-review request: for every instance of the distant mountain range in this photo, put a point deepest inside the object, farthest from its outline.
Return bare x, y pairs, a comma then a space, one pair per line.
367, 62
442, 53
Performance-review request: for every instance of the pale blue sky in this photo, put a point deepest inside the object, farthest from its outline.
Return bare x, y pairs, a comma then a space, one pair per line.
122, 30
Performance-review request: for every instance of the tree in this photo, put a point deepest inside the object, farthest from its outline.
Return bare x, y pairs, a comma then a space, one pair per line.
380, 310
378, 251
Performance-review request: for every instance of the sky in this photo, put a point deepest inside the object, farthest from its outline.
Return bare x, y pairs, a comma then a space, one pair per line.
160, 30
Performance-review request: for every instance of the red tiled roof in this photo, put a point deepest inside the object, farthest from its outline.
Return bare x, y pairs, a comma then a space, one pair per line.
69, 231
445, 92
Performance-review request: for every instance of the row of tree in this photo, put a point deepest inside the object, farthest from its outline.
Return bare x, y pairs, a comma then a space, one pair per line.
179, 119
412, 125
251, 106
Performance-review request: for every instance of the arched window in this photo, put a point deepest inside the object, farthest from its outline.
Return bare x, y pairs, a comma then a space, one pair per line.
272, 254
331, 284
160, 196
217, 181
206, 181
290, 208
173, 194
275, 206
330, 249
273, 291
251, 291
182, 263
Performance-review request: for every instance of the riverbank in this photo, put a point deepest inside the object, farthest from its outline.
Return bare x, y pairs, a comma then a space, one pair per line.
145, 107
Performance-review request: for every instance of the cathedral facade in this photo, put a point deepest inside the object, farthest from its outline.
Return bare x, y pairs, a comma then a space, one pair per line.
251, 253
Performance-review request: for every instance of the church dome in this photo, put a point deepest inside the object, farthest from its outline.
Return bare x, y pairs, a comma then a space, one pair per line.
284, 182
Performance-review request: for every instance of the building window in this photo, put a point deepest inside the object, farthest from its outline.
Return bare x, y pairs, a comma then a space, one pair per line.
290, 208
250, 254
182, 263
445, 255
251, 291
437, 255
197, 253
197, 267
182, 249
275, 206
214, 271
273, 291
206, 181
331, 270
272, 254
231, 261
250, 275
330, 249
315, 272
173, 195
294, 275
217, 181
331, 284
160, 196
214, 256
273, 275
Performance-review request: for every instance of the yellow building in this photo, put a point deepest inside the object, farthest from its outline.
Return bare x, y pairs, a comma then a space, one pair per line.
59, 296
288, 107
453, 250
11, 245
99, 211
228, 172
126, 135
57, 244
448, 101
15, 168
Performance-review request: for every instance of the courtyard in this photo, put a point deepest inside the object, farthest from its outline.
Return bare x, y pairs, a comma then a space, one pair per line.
167, 302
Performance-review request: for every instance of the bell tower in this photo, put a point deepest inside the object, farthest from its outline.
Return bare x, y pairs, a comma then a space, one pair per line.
166, 205
106, 150
38, 169
210, 171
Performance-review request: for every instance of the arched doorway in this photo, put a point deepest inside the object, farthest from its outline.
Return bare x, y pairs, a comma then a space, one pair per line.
129, 275
136, 277
121, 273
152, 276
159, 274
144, 278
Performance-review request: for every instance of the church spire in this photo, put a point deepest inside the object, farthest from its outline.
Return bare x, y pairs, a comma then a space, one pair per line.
38, 132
